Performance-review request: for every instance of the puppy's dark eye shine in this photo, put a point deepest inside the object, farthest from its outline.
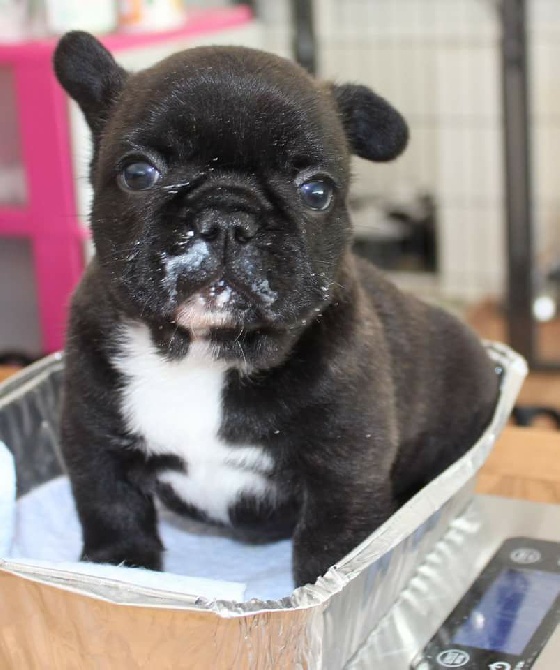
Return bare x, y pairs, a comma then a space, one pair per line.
138, 176
317, 194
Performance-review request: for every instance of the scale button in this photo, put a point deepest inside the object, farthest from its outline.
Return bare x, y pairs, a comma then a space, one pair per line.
525, 555
453, 658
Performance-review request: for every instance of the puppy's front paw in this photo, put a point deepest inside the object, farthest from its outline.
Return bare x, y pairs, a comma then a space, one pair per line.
307, 574
138, 555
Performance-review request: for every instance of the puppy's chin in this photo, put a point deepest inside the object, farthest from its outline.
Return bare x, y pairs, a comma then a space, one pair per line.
209, 308
199, 319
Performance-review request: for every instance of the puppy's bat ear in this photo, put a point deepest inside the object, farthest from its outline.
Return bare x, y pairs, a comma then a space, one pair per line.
375, 130
89, 74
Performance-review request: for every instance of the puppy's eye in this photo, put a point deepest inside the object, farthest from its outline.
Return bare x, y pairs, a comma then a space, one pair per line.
138, 176
317, 194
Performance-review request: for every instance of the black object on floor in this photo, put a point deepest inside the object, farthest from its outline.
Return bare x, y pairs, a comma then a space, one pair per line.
525, 415
16, 359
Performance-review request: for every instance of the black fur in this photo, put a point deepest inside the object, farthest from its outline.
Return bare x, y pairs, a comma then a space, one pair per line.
90, 75
361, 394
373, 128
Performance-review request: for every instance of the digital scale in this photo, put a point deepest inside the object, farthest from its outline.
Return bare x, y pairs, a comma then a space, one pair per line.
488, 598
507, 616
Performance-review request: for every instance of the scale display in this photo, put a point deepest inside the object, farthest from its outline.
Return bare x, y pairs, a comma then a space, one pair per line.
510, 611
506, 617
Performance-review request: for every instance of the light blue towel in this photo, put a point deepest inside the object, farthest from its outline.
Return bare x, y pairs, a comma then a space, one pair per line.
7, 499
47, 529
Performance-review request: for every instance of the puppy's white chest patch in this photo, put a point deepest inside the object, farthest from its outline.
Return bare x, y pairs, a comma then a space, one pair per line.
176, 406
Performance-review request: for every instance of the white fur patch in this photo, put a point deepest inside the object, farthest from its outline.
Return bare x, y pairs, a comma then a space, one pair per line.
195, 314
177, 407
191, 260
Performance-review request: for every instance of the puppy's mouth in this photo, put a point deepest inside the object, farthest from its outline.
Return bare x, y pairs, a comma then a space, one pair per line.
215, 306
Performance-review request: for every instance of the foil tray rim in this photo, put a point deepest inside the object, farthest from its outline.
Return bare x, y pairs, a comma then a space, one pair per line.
378, 544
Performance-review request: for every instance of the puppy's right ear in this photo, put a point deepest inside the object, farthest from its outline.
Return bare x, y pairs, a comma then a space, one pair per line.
90, 75
374, 128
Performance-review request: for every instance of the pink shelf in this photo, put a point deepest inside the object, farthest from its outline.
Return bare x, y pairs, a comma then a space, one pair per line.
14, 221
198, 23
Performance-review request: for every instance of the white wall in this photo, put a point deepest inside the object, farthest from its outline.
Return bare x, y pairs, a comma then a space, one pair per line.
436, 60
545, 61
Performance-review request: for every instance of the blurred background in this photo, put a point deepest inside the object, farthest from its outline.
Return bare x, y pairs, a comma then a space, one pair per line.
468, 217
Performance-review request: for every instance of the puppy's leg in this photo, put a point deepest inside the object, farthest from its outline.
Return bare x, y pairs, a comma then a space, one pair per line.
118, 518
119, 528
336, 517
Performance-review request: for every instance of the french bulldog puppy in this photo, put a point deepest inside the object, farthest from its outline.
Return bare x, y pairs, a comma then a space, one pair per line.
226, 352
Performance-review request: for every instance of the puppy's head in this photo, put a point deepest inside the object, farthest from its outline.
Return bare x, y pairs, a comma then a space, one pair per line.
220, 178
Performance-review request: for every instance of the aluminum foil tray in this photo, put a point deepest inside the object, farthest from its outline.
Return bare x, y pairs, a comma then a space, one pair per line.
57, 619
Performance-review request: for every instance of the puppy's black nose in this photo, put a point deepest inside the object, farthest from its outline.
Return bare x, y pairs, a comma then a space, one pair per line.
239, 227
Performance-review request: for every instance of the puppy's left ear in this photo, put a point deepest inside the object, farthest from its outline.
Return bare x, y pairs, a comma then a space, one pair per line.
375, 130
90, 75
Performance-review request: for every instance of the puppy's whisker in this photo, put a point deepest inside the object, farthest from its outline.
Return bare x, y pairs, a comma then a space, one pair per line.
239, 336
242, 352
152, 295
173, 189
172, 337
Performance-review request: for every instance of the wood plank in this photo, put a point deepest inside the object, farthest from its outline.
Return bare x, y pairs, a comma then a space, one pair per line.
7, 371
540, 388
525, 463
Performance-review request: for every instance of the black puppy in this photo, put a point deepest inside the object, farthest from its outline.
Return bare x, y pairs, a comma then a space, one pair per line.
227, 352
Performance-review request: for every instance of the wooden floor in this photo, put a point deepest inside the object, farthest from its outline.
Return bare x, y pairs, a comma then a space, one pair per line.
540, 388
6, 371
523, 464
